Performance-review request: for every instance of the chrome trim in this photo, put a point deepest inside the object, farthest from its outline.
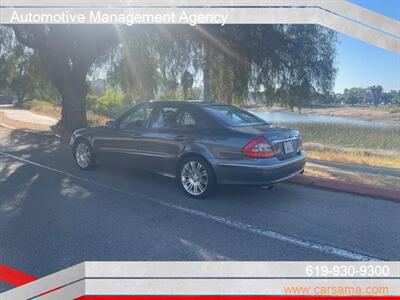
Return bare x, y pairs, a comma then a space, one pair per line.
303, 156
128, 151
286, 140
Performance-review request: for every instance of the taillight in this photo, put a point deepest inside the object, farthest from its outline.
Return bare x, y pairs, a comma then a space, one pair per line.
258, 148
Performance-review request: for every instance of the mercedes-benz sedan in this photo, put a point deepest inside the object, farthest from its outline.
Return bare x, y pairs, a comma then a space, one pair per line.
200, 144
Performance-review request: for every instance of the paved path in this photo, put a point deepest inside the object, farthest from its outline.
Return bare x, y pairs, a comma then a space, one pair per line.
53, 215
27, 116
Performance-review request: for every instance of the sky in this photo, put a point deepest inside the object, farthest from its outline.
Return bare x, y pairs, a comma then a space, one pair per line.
361, 64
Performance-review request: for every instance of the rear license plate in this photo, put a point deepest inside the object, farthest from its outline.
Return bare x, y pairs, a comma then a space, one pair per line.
288, 147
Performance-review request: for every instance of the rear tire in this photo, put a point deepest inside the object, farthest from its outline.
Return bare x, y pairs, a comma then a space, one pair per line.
84, 155
196, 177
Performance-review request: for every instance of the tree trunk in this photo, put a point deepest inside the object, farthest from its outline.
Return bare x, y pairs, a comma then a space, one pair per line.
73, 92
73, 114
19, 101
207, 93
185, 93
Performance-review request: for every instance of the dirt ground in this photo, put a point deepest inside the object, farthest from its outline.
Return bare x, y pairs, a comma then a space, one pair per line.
14, 124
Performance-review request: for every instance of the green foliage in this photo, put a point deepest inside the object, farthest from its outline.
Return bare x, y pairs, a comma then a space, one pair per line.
17, 63
371, 95
395, 100
376, 92
20, 73
111, 104
293, 61
150, 61
355, 95
394, 110
229, 81
194, 94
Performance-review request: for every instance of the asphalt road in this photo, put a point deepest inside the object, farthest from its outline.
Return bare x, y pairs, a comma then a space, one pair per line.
54, 215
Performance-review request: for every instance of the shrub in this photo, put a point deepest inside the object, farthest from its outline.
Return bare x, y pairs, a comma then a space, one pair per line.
111, 104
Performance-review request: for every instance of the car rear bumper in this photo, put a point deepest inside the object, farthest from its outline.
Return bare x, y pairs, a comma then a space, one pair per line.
259, 171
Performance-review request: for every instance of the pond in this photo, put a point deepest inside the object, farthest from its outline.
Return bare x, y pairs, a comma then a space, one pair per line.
282, 117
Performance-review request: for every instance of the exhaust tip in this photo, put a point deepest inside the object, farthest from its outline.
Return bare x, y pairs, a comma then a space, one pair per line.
267, 187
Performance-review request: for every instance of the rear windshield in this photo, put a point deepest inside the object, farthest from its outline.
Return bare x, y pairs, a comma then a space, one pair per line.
233, 116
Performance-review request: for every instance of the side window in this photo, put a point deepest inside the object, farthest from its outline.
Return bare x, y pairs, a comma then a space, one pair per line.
186, 120
135, 119
167, 117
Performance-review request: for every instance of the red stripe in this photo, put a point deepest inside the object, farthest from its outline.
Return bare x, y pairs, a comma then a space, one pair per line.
14, 277
50, 291
230, 297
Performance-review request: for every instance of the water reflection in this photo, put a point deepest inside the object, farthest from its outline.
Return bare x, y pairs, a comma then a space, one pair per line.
282, 117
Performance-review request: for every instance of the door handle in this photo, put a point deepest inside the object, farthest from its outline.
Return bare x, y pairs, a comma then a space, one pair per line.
180, 138
136, 135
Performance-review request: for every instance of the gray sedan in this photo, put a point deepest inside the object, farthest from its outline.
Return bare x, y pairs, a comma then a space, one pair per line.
200, 144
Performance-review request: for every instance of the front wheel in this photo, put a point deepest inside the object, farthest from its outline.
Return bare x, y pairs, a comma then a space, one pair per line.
196, 177
84, 155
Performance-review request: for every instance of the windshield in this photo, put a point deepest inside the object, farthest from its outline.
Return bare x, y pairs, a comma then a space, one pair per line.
233, 116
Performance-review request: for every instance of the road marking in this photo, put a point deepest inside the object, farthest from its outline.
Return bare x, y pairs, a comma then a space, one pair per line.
328, 249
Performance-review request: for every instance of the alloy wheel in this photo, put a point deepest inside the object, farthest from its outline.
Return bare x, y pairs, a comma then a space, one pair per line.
194, 178
83, 155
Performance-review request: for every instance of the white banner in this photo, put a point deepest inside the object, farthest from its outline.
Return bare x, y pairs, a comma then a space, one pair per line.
215, 278
338, 15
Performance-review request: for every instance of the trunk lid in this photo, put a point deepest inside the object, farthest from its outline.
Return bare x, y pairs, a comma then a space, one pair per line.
280, 138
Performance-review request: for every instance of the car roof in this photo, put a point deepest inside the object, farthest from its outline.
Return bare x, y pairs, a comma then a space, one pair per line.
184, 102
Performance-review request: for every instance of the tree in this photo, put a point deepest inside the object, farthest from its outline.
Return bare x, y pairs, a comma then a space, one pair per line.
387, 97
396, 99
376, 92
355, 95
187, 84
66, 53
151, 60
293, 61
20, 74
21, 79
280, 58
234, 60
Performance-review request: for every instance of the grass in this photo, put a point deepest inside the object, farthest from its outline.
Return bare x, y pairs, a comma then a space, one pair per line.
391, 109
349, 136
378, 147
394, 110
45, 108
354, 157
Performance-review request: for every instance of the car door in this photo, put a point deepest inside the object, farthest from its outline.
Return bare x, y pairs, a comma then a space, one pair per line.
170, 130
123, 141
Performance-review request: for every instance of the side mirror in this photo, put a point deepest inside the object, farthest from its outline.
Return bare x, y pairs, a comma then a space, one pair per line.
111, 124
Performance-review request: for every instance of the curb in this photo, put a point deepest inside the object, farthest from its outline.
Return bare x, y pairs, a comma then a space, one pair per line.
353, 188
